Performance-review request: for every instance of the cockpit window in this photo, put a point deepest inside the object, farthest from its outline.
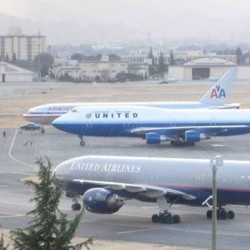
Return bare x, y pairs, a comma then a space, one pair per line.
74, 110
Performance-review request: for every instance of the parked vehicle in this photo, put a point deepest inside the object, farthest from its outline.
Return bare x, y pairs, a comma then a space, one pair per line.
32, 127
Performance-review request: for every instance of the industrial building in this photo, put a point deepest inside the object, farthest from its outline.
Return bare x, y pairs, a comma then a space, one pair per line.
12, 73
210, 68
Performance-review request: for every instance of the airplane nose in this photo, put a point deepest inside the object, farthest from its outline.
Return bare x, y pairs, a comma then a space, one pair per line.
57, 124
26, 116
60, 124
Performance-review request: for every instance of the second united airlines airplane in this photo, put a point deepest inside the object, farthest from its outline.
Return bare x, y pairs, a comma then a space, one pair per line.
106, 182
155, 125
213, 99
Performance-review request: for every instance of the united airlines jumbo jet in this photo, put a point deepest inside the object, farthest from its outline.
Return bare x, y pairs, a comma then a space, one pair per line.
155, 125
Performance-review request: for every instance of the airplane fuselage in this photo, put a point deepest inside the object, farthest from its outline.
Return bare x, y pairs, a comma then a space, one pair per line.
191, 176
132, 121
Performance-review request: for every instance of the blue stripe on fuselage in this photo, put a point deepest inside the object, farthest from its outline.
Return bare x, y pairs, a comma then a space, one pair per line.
109, 129
224, 196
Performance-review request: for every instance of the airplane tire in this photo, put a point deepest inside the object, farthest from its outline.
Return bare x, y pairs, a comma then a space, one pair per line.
166, 218
175, 143
73, 207
82, 143
176, 219
209, 214
155, 218
76, 206
222, 214
230, 214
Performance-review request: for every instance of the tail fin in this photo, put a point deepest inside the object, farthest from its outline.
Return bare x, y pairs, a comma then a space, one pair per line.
220, 90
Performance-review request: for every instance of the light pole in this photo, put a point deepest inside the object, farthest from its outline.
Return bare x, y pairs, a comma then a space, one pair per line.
215, 163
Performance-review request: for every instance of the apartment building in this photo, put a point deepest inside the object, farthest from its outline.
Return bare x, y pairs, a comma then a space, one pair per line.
17, 46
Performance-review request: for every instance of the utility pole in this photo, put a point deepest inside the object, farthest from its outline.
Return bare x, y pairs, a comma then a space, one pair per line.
215, 163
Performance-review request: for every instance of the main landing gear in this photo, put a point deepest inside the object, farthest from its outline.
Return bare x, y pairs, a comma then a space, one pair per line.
222, 214
166, 218
181, 143
76, 206
82, 142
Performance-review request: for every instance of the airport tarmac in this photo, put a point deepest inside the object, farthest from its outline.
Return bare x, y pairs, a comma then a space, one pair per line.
133, 222
19, 151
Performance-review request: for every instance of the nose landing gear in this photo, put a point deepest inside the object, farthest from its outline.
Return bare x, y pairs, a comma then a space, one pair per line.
82, 142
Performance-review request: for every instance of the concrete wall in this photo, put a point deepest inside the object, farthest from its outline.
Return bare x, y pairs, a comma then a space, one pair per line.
177, 72
243, 73
17, 78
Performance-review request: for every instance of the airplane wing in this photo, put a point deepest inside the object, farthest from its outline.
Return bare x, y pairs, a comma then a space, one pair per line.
149, 191
227, 106
173, 131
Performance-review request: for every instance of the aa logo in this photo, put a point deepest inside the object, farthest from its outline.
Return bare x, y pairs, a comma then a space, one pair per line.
218, 92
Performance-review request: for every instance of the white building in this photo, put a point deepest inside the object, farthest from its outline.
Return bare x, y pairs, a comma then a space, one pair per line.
103, 70
12, 73
200, 69
17, 46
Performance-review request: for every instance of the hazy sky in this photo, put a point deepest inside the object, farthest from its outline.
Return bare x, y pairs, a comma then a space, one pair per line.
203, 17
55, 10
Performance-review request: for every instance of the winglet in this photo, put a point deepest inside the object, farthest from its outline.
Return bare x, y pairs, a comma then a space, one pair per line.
220, 90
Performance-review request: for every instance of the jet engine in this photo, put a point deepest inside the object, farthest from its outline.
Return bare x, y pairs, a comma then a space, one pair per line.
194, 136
100, 200
154, 138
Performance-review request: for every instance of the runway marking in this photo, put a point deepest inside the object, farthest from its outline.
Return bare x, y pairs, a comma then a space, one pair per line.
139, 230
28, 204
11, 215
131, 215
12, 157
217, 145
208, 232
21, 204
21, 173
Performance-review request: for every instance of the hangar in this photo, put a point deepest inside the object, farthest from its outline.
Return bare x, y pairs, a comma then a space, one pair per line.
202, 68
12, 73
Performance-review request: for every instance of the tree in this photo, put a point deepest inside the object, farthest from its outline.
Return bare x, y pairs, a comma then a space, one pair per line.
49, 228
238, 53
43, 62
162, 65
14, 57
77, 56
171, 59
6, 59
150, 55
2, 244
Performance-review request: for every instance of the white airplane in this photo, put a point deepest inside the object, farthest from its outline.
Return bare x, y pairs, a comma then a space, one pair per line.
213, 99
155, 125
106, 182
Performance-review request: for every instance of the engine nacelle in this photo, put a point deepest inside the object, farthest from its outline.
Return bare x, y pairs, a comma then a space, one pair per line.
194, 136
154, 138
100, 200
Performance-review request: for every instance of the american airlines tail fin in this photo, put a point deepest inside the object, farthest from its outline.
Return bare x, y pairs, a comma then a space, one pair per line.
220, 90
